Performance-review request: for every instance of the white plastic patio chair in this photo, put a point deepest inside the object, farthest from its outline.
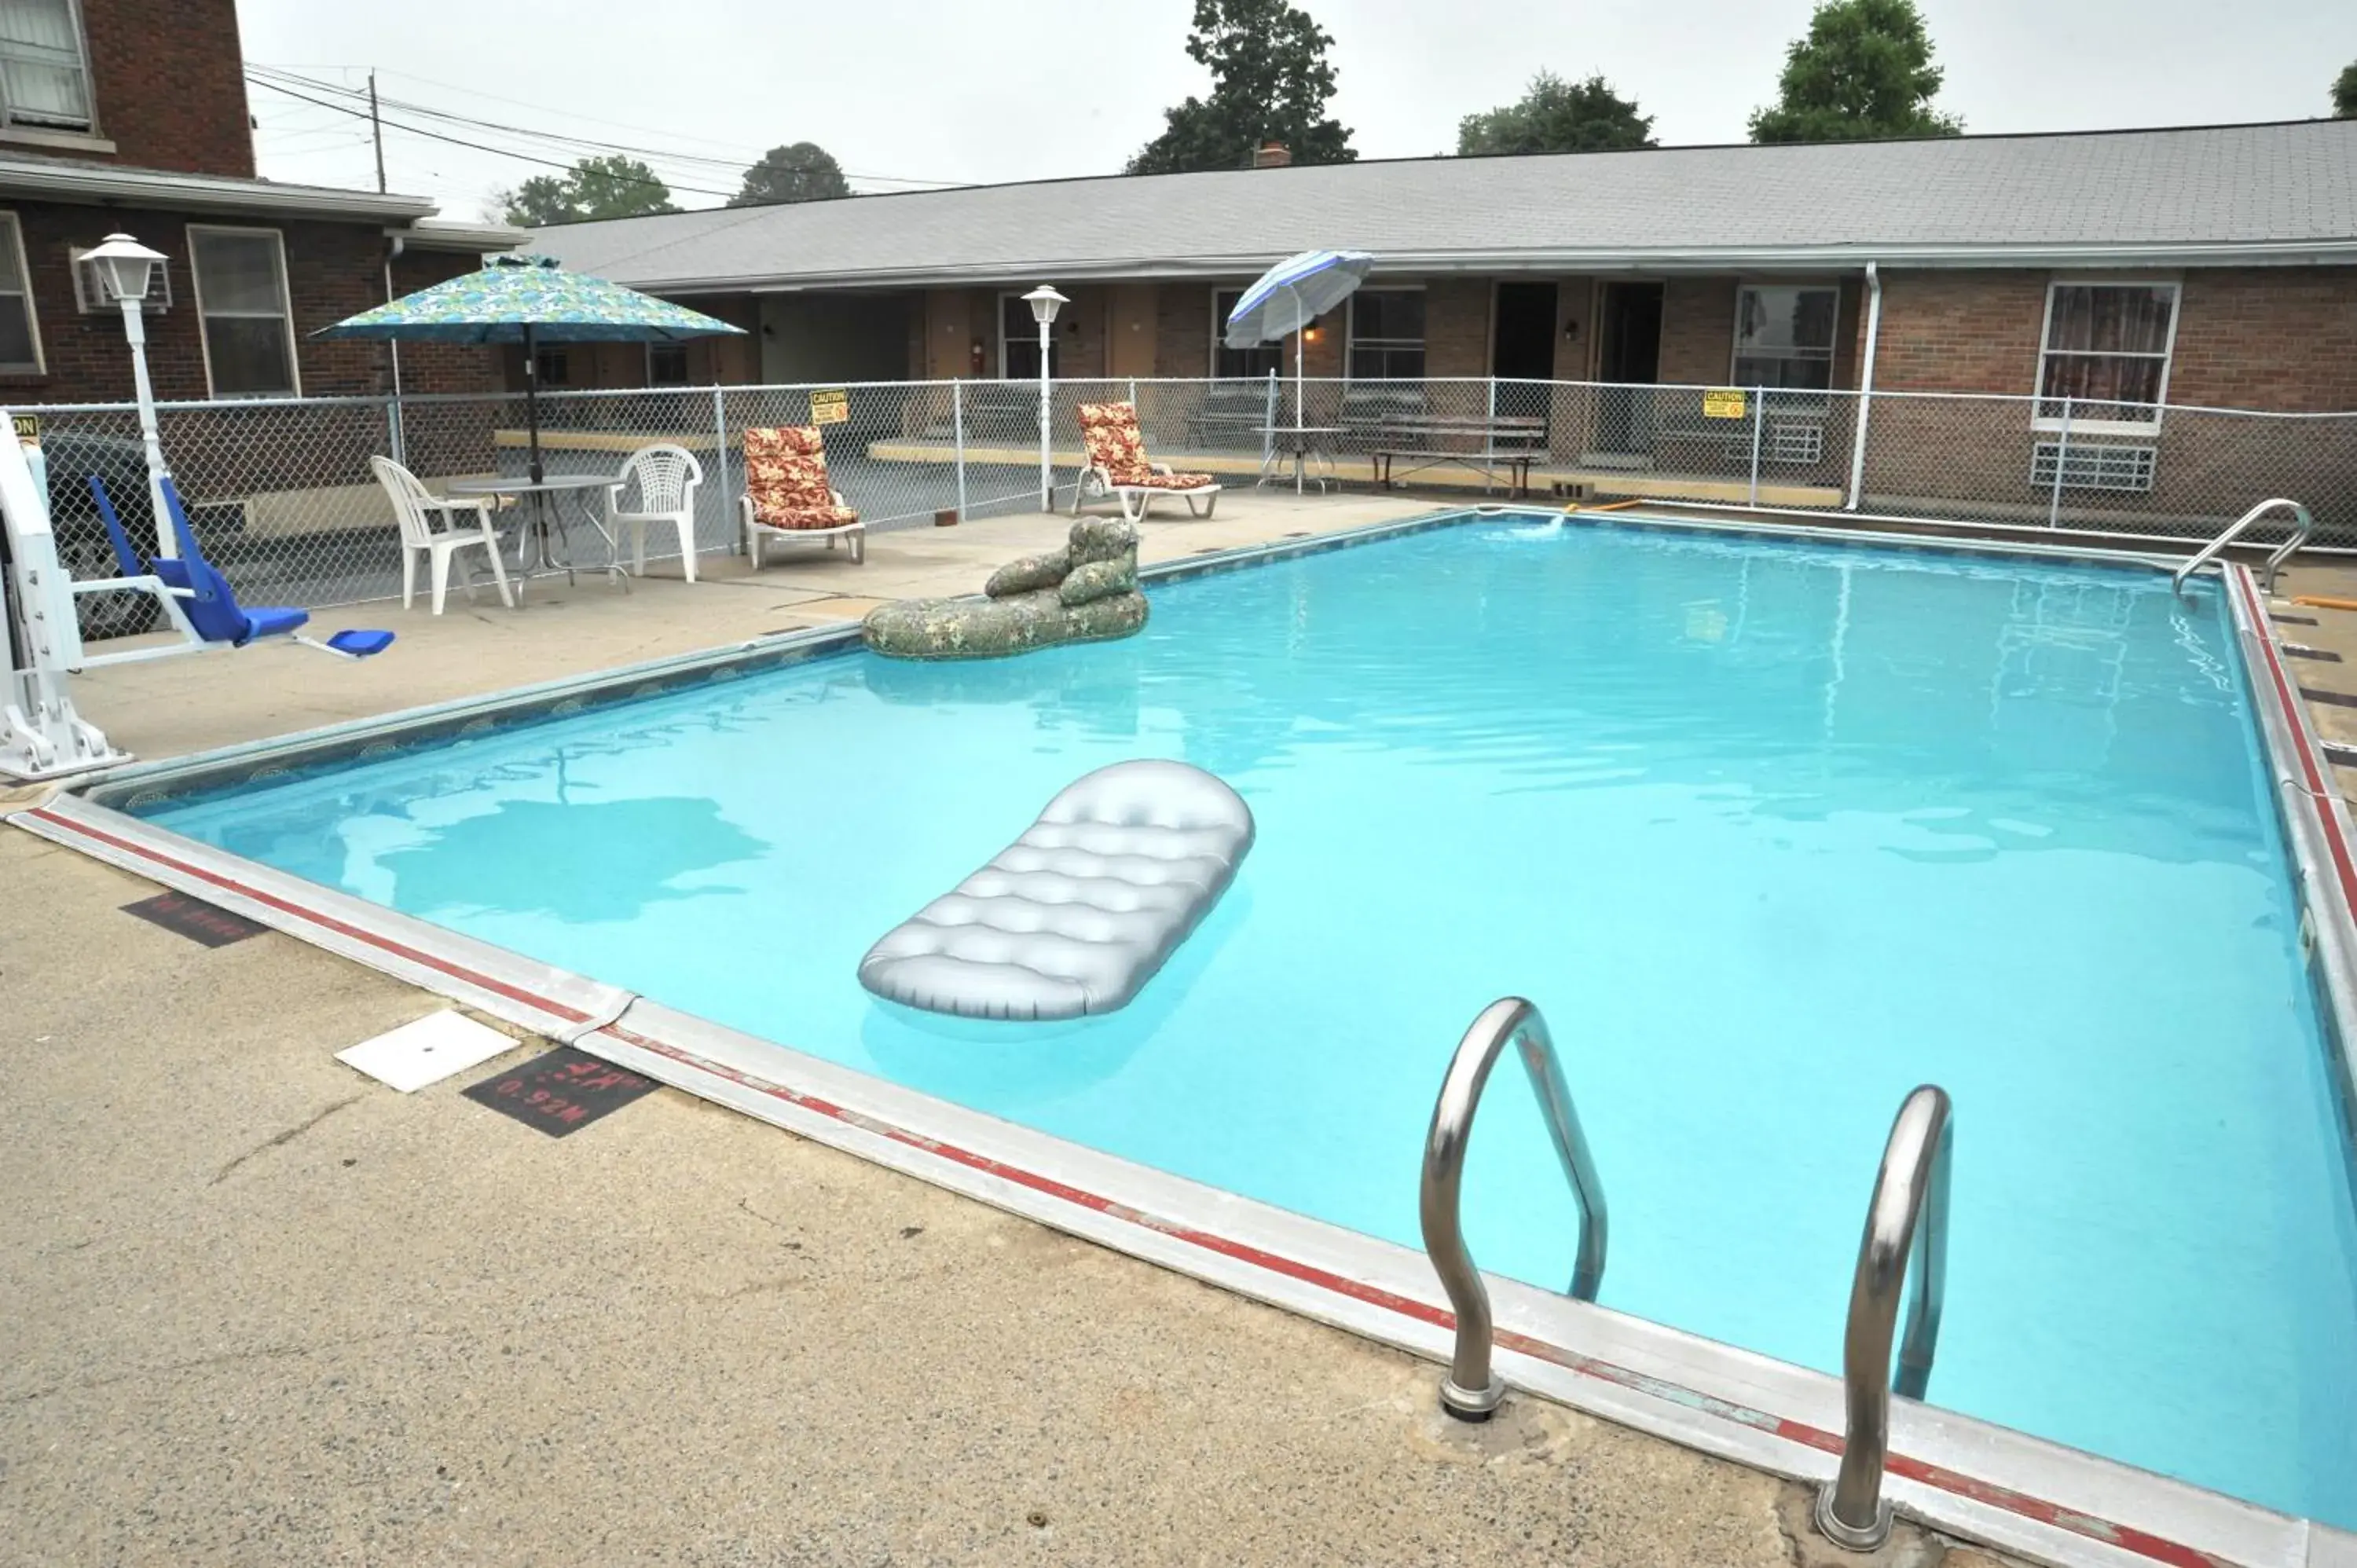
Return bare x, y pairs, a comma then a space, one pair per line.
667, 476
414, 506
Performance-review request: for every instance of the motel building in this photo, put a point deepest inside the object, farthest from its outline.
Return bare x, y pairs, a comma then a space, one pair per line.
2088, 285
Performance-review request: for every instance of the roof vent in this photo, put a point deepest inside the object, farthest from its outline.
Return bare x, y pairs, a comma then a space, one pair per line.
1272, 154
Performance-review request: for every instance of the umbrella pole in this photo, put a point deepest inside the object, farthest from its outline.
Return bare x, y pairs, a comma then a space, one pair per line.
531, 401
1300, 358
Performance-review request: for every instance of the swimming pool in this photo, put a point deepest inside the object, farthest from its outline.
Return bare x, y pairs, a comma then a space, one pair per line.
1772, 829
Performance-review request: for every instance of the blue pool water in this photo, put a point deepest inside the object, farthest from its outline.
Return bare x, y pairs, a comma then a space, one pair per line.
1772, 832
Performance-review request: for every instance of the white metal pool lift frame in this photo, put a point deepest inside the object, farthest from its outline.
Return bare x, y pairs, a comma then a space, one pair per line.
41, 735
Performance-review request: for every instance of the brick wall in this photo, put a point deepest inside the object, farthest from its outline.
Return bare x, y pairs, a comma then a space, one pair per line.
1958, 331
1697, 331
2260, 338
170, 80
1080, 332
1182, 330
2271, 338
334, 270
1456, 326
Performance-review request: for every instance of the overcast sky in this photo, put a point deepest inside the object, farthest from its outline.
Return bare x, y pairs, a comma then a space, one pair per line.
954, 91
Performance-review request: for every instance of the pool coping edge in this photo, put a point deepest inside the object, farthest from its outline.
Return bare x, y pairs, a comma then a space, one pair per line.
1636, 1373
1957, 1473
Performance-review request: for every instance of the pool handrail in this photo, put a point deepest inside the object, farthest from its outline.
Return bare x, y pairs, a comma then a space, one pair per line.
1906, 1234
1471, 1392
2303, 524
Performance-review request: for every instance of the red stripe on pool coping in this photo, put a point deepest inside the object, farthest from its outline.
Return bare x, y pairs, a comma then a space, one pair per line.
328, 922
2106, 1533
2287, 699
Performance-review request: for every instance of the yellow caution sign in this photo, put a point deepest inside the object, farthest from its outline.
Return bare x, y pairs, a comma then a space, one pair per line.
831, 406
1723, 403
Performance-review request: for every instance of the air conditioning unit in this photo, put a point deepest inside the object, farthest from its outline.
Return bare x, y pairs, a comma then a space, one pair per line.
94, 296
1794, 441
2092, 465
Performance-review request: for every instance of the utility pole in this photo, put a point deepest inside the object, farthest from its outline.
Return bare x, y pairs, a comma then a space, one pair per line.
376, 129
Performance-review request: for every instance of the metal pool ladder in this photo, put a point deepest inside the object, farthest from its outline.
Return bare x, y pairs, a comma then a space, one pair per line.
1471, 1391
2302, 526
1906, 1232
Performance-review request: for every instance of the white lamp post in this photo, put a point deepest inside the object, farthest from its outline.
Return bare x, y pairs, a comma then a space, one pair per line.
128, 270
1045, 302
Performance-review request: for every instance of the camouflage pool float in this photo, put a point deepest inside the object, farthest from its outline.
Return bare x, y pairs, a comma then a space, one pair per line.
1086, 592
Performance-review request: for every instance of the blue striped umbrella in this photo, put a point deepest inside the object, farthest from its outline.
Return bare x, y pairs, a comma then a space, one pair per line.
1290, 296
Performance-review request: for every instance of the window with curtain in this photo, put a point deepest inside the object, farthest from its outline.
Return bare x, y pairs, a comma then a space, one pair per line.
1388, 335
44, 75
2106, 352
1228, 362
241, 277
20, 338
1784, 336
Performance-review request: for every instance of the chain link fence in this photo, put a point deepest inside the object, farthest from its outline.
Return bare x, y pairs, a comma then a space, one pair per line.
281, 495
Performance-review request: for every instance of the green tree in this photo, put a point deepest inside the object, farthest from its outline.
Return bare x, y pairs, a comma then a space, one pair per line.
1270, 81
2344, 92
801, 172
1864, 70
1558, 116
613, 186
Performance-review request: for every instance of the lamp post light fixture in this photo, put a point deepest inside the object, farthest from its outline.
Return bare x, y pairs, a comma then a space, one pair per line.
127, 269
1045, 302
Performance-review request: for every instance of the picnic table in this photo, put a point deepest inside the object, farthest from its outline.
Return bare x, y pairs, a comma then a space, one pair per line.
1504, 444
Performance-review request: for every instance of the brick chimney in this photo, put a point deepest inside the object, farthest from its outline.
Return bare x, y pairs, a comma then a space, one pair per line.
1272, 154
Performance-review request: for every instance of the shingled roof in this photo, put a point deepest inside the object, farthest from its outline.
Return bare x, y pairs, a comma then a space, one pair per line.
2215, 195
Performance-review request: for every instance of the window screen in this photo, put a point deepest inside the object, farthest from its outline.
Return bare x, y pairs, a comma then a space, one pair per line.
44, 80
1784, 336
241, 286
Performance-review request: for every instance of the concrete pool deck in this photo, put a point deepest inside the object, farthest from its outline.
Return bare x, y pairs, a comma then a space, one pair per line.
173, 706
263, 1310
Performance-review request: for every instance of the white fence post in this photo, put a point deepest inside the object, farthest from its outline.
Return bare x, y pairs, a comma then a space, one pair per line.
1268, 429
720, 462
957, 440
2061, 460
1489, 438
1758, 417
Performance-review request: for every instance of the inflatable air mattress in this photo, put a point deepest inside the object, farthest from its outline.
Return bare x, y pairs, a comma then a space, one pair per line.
1075, 916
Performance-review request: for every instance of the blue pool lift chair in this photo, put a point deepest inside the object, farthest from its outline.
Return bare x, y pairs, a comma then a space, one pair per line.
207, 608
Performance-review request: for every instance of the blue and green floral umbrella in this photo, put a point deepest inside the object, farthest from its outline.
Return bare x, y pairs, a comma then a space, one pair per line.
529, 300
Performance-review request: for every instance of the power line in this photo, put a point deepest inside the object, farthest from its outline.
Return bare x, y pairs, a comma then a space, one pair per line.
277, 77
459, 141
552, 136
740, 156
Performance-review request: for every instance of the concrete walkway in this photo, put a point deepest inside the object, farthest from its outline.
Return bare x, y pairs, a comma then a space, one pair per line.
261, 1310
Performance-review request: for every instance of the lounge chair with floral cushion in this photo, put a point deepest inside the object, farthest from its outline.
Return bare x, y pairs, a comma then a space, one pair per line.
787, 495
1117, 466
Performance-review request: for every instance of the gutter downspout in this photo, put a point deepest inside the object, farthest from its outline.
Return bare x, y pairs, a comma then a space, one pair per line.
1865, 386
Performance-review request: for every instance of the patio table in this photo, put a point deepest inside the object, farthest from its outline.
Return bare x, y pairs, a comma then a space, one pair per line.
1300, 443
542, 538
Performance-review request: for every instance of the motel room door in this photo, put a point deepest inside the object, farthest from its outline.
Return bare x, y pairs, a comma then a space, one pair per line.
1521, 347
1628, 351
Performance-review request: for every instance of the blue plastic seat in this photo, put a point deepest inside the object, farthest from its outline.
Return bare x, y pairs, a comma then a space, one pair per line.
210, 604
